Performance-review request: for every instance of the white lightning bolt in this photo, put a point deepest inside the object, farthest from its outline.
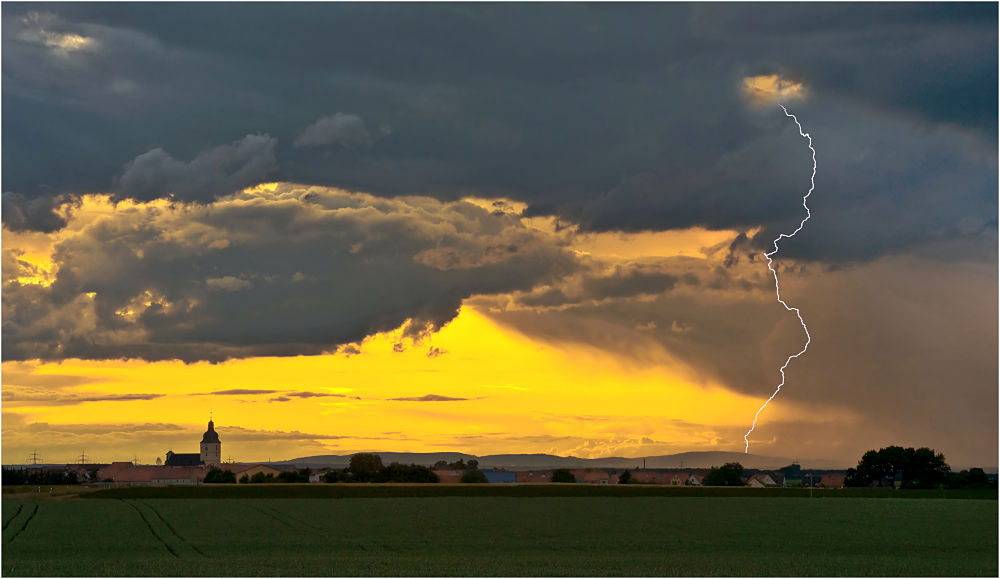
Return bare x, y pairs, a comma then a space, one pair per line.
812, 181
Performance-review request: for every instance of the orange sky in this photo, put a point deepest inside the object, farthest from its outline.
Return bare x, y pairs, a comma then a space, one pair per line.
516, 395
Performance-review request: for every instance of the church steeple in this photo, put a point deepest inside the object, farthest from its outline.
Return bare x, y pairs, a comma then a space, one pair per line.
211, 446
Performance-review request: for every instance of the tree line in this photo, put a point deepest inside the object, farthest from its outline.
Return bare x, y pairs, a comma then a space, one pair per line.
367, 467
14, 476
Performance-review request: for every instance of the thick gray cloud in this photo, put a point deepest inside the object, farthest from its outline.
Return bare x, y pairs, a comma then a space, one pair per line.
908, 346
38, 214
429, 398
293, 271
212, 174
614, 117
345, 130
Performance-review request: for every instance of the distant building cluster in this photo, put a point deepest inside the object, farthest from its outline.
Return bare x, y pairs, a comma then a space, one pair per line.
177, 468
191, 468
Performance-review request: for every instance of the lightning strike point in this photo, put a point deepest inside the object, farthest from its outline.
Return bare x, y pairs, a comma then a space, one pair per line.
777, 287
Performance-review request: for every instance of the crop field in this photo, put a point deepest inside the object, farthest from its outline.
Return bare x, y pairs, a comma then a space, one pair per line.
497, 536
409, 490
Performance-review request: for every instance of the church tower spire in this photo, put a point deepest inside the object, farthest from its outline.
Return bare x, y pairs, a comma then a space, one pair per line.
211, 446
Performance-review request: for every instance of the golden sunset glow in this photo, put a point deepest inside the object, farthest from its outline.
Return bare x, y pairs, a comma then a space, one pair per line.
516, 396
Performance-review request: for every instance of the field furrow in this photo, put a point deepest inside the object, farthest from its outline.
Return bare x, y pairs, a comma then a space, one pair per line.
20, 522
10, 510
177, 546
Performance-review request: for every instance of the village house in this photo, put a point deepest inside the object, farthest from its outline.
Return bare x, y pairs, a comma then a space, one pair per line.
696, 478
500, 476
832, 481
594, 476
766, 480
239, 470
450, 475
316, 476
533, 476
651, 477
126, 472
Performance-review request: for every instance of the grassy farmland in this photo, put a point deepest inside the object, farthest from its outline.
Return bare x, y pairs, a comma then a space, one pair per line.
483, 536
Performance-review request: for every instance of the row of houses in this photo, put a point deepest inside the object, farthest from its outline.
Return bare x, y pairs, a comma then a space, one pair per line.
127, 472
693, 477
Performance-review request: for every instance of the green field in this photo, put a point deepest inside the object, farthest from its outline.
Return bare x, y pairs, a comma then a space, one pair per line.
382, 491
487, 536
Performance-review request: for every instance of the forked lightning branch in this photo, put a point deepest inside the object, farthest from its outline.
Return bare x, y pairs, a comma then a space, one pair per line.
777, 286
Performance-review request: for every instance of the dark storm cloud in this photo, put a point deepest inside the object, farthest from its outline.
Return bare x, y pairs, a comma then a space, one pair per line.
293, 271
908, 346
212, 174
235, 392
16, 396
38, 214
614, 117
345, 130
312, 394
430, 398
654, 276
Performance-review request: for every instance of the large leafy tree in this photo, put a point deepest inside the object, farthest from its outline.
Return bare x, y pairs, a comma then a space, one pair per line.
219, 476
474, 476
563, 475
727, 475
365, 466
974, 478
918, 468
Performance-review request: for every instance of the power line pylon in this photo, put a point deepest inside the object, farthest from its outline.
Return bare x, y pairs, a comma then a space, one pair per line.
83, 458
34, 458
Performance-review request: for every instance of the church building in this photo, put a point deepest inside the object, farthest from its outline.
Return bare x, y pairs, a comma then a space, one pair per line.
211, 451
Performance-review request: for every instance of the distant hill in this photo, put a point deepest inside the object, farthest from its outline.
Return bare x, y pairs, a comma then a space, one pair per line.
529, 461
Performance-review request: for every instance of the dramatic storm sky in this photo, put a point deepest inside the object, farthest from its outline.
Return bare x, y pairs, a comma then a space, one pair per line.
497, 228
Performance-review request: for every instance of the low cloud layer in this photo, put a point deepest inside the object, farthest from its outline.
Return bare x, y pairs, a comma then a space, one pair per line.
429, 398
285, 272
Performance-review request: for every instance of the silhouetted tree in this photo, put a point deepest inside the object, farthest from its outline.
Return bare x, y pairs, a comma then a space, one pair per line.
365, 466
293, 477
974, 478
12, 476
562, 475
440, 465
219, 476
919, 468
245, 479
415, 473
473, 464
790, 470
727, 475
625, 478
474, 476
